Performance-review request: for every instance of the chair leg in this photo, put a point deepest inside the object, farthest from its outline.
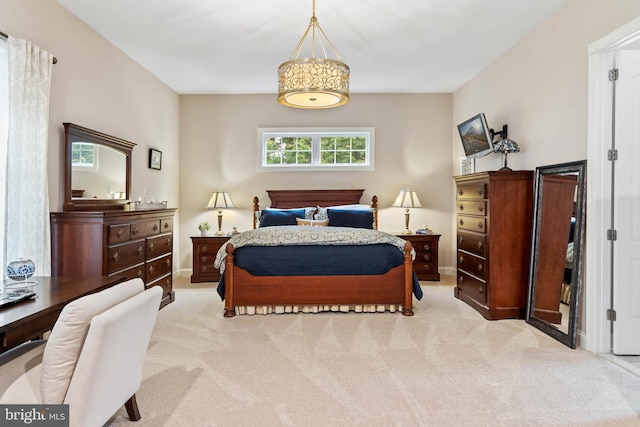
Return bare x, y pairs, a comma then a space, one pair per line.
131, 406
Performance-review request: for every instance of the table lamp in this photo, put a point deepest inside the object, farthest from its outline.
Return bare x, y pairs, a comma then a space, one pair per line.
220, 200
407, 199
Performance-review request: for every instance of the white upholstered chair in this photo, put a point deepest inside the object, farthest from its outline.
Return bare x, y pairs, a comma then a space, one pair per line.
93, 359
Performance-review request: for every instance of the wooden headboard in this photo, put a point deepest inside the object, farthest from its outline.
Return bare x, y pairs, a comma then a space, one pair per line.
289, 199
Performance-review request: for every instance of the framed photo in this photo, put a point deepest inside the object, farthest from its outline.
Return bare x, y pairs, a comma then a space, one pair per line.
467, 166
155, 159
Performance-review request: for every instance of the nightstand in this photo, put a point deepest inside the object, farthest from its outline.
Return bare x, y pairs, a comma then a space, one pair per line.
426, 262
204, 254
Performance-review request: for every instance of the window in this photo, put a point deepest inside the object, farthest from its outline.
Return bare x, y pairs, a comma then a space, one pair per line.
84, 156
287, 149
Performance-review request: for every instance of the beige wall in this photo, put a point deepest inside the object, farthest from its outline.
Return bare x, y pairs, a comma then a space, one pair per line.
539, 87
219, 150
98, 86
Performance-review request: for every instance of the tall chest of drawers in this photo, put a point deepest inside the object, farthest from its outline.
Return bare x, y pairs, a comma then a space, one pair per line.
115, 243
493, 221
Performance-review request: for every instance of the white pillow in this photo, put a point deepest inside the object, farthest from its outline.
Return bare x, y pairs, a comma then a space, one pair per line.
68, 334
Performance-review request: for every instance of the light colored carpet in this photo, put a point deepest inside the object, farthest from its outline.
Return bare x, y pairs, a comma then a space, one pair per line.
446, 366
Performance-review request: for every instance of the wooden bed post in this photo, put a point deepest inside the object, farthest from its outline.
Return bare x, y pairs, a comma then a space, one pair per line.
374, 206
229, 306
256, 208
407, 307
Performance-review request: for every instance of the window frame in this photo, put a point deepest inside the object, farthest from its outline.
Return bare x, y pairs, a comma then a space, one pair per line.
316, 133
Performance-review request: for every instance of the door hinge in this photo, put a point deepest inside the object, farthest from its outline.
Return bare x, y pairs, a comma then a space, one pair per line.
613, 74
611, 314
612, 235
612, 155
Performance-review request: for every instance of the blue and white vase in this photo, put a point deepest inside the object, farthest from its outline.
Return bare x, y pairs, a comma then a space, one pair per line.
20, 269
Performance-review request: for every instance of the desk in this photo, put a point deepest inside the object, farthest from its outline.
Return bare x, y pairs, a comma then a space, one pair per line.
29, 319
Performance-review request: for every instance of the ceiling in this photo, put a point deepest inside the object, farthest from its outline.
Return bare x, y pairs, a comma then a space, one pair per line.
236, 46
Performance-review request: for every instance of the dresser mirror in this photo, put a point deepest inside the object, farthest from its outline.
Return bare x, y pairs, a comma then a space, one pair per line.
557, 240
97, 170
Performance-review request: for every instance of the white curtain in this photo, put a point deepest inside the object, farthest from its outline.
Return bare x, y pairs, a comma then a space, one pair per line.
27, 232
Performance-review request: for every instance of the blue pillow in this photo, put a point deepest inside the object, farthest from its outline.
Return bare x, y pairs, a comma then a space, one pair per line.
270, 218
350, 218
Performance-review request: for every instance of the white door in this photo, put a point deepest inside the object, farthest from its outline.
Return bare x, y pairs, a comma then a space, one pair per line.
626, 264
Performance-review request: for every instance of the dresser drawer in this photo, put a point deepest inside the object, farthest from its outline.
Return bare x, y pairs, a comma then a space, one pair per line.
472, 223
472, 191
166, 225
472, 264
164, 282
145, 228
158, 267
122, 256
118, 234
160, 245
472, 207
137, 271
207, 250
472, 242
475, 288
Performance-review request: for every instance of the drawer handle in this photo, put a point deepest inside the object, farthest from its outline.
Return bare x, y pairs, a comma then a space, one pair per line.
479, 244
151, 269
205, 249
480, 208
461, 239
151, 247
427, 247
155, 227
140, 250
168, 262
169, 241
480, 267
120, 233
167, 282
460, 192
461, 222
461, 207
480, 289
134, 230
460, 279
480, 225
427, 257
461, 260
166, 225
480, 191
139, 273
116, 257
203, 259
427, 267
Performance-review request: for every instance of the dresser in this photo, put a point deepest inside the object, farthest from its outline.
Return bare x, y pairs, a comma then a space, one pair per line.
204, 253
493, 221
425, 263
129, 244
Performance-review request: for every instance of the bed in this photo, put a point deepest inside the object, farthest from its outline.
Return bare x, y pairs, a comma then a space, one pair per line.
319, 278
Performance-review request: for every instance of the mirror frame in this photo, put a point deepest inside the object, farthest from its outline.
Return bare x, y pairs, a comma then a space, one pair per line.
578, 167
74, 133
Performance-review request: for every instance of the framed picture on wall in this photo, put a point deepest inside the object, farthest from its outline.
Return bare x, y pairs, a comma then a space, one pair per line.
155, 159
467, 166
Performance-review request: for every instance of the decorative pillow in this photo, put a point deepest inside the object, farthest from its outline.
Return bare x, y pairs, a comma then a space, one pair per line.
68, 334
308, 212
322, 212
350, 218
312, 222
272, 217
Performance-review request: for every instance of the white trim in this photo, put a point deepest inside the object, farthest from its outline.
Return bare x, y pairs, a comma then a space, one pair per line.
597, 337
369, 166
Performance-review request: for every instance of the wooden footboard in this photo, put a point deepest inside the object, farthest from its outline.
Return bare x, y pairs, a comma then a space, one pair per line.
244, 289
